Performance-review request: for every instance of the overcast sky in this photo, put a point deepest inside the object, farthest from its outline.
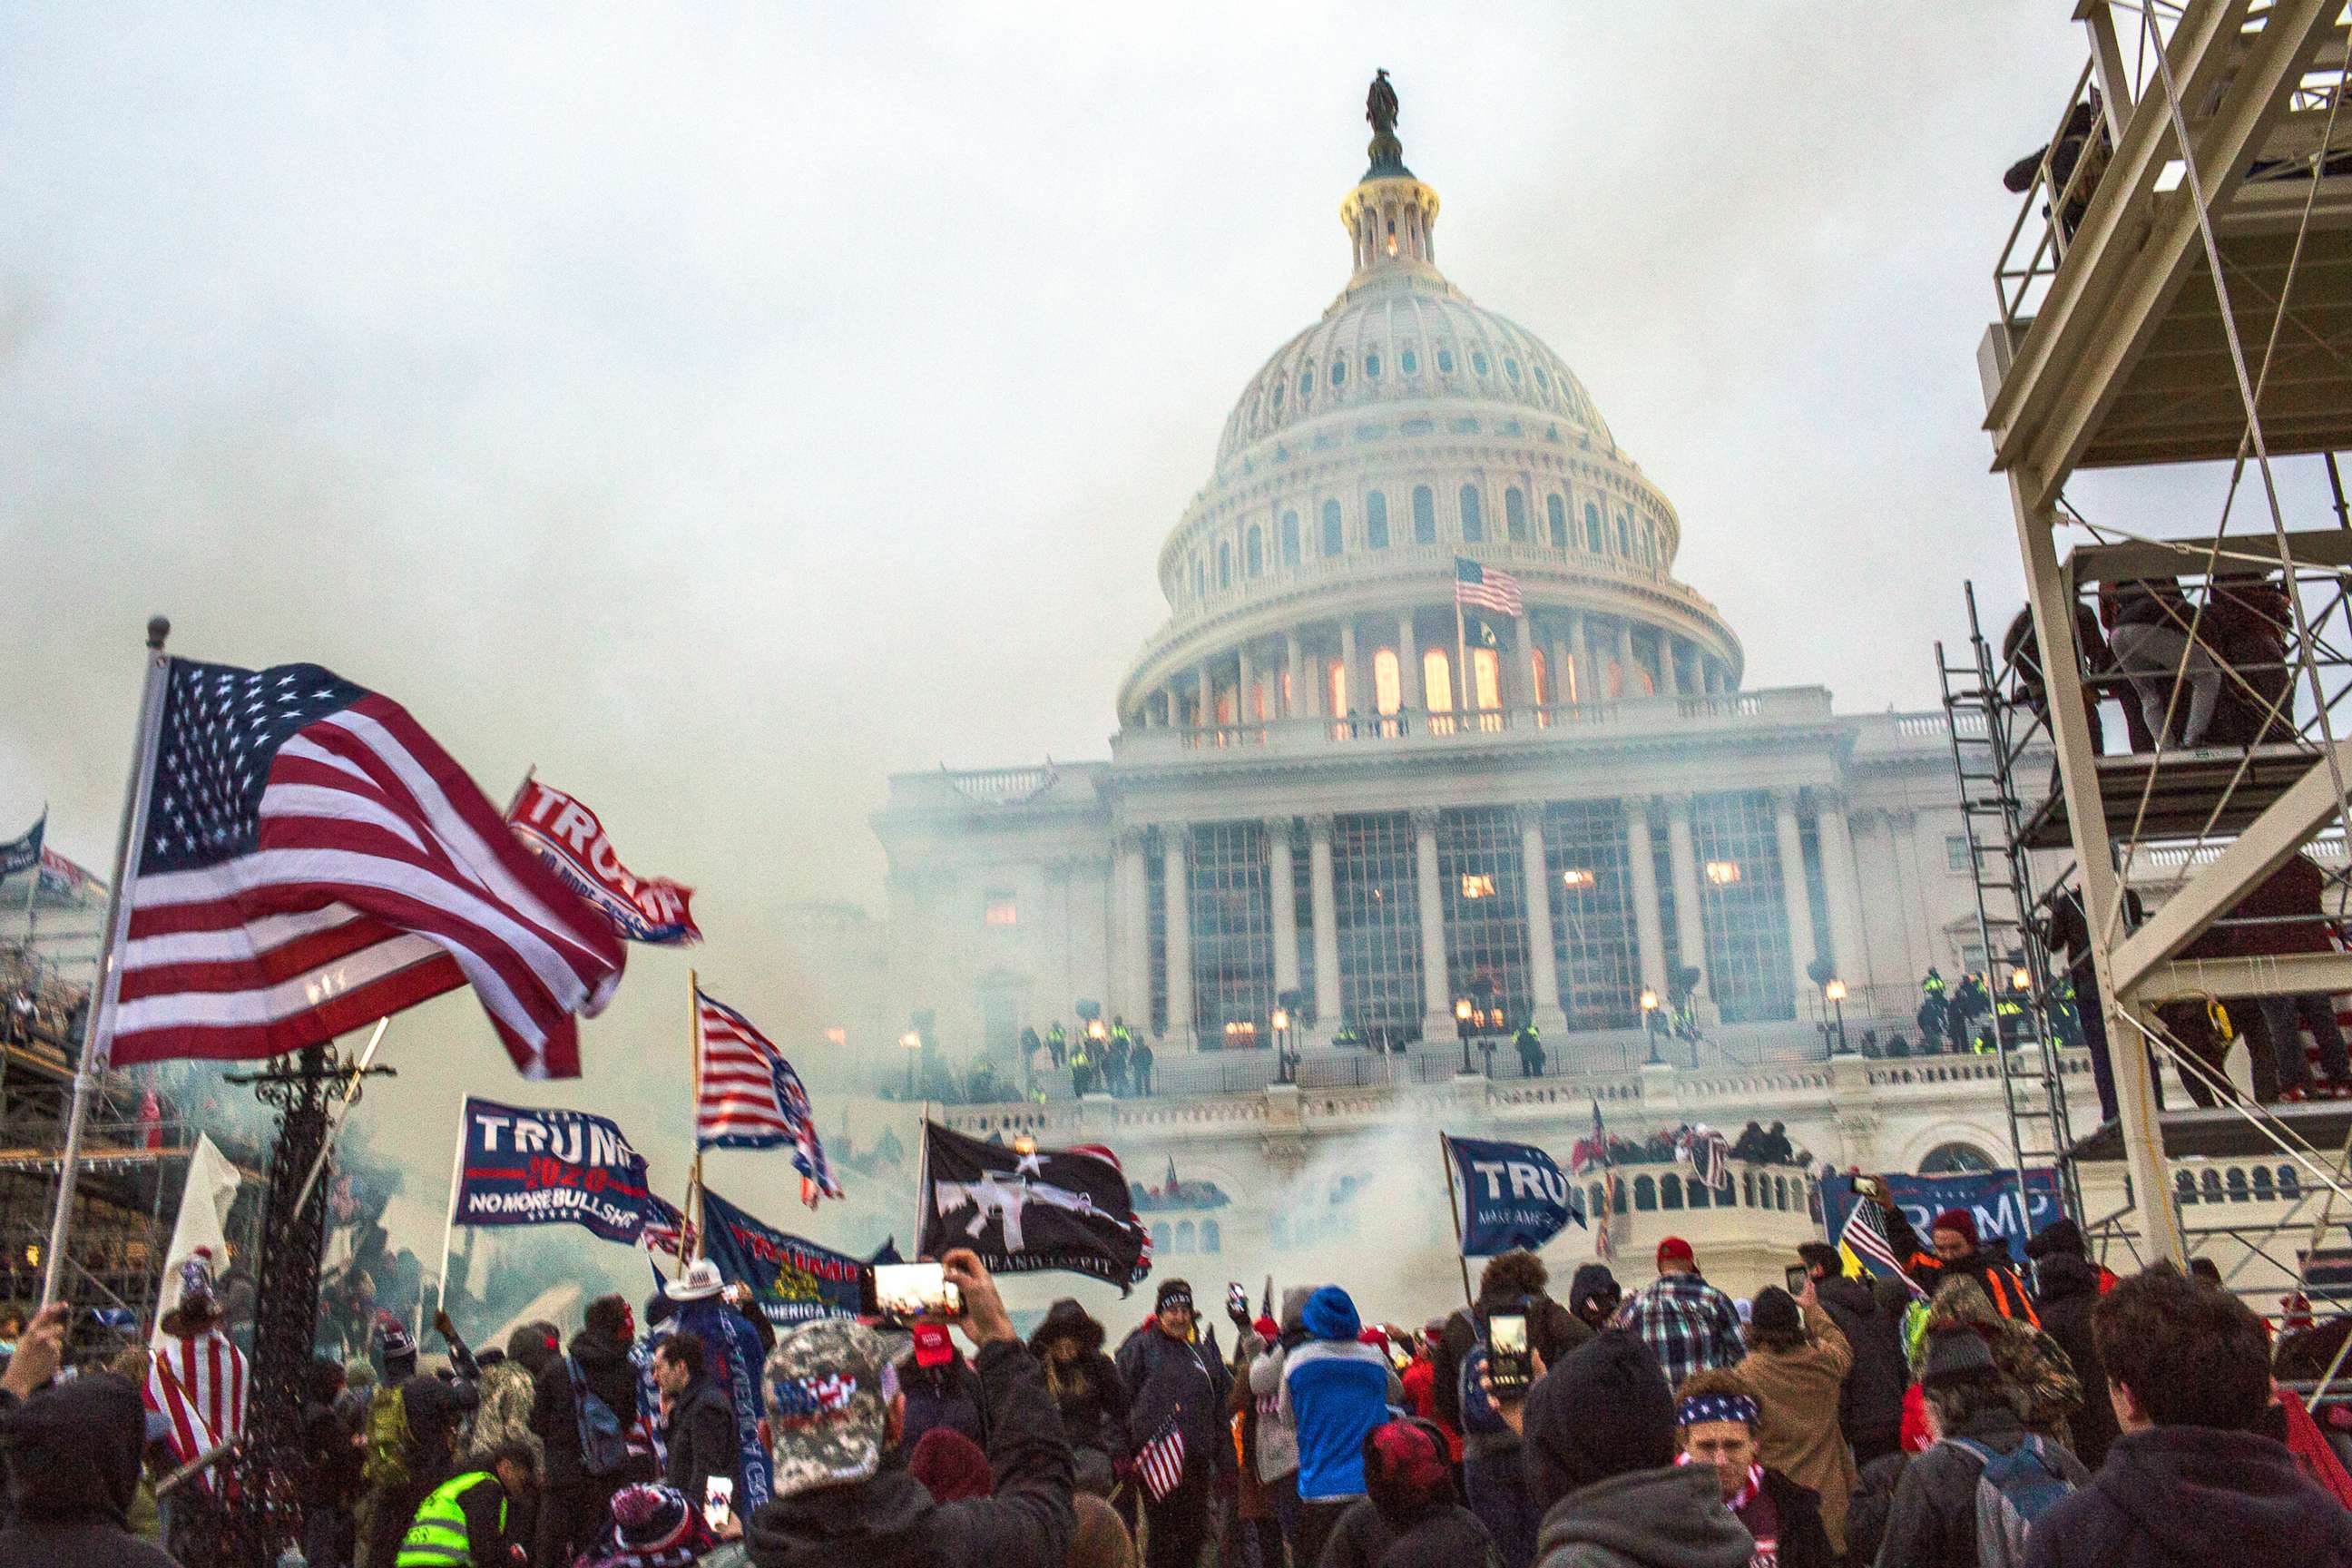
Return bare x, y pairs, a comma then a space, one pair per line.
723, 406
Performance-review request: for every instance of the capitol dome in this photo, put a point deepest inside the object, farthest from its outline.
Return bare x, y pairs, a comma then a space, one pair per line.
1407, 439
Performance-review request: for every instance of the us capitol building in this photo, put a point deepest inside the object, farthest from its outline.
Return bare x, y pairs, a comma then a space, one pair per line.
1329, 800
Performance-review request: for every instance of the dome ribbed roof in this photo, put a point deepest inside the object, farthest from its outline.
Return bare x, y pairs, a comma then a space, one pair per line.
1400, 342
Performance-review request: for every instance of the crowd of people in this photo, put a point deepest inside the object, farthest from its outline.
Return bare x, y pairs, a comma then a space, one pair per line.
1960, 1417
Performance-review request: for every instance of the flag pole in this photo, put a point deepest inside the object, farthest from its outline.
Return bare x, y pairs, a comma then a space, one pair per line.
32, 891
98, 1022
449, 1226
1453, 1206
694, 1043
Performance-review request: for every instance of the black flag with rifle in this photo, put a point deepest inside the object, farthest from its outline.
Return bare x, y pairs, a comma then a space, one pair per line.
1022, 1212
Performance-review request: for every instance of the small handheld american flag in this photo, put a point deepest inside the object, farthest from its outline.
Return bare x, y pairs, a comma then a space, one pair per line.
1161, 1462
1485, 588
1865, 1235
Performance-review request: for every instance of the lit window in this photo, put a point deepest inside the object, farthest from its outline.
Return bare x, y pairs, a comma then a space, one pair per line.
1376, 520
1388, 684
1331, 528
1723, 873
1541, 667
1556, 514
1334, 683
1576, 877
1001, 911
1290, 539
1424, 516
1474, 522
1477, 885
1515, 515
1437, 681
1254, 552
1486, 677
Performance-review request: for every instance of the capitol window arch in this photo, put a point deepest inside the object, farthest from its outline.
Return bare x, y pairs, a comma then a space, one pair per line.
1486, 677
1592, 539
1371, 367
1332, 532
1339, 373
1376, 520
1625, 534
1955, 1158
1253, 552
1388, 682
1424, 515
1408, 362
1224, 565
1306, 383
1555, 517
1437, 681
1515, 514
1474, 521
1290, 539
1444, 360
1479, 361
1511, 369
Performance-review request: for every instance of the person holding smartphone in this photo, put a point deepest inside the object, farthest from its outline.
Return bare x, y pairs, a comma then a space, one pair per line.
1796, 1367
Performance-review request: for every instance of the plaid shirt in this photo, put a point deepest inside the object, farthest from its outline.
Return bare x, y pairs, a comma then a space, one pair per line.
1688, 1322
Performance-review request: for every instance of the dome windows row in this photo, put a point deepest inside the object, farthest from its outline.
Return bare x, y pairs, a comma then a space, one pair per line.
1325, 531
1408, 364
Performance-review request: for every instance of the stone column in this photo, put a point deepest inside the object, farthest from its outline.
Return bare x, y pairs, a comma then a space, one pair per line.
1348, 663
1436, 981
1849, 948
1557, 654
1795, 895
1409, 692
1690, 922
1168, 704
1302, 700
1323, 899
1633, 672
1178, 901
1649, 928
1543, 958
1579, 652
1282, 889
1207, 707
1527, 635
1134, 964
1594, 670
1246, 693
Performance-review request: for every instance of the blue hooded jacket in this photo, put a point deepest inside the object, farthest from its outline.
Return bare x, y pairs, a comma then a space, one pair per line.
1335, 1390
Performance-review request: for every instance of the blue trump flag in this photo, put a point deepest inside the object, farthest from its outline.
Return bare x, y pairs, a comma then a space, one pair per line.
523, 1166
1508, 1195
22, 853
1989, 1195
794, 1282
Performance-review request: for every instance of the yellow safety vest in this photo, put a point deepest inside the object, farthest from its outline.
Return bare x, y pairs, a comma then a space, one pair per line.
438, 1538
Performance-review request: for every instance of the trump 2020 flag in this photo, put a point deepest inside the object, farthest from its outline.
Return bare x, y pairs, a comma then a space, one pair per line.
568, 837
1048, 1208
308, 861
1508, 1195
527, 1166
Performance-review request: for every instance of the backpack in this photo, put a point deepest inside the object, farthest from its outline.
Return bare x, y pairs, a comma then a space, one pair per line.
603, 1446
389, 1441
2013, 1490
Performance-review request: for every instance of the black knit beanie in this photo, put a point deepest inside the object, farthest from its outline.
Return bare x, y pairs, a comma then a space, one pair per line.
1603, 1411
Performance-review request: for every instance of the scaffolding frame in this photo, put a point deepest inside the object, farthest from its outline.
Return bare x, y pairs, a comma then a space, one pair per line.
2079, 383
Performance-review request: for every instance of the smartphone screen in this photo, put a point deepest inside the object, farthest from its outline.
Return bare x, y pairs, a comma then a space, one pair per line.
1509, 1367
904, 1292
1798, 1277
718, 1501
1507, 1333
1236, 1298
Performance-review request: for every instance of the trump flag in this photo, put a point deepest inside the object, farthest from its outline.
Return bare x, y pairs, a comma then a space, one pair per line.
569, 838
527, 1166
1508, 1195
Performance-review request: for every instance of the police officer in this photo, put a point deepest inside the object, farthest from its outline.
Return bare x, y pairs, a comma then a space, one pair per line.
1531, 1051
462, 1523
1057, 1044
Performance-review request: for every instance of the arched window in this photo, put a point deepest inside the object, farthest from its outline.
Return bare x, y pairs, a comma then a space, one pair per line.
1424, 516
1183, 1235
1545, 696
2184, 1187
1339, 372
1376, 520
1200, 578
2237, 1180
1556, 514
1253, 552
1645, 1194
1212, 1239
1650, 542
2264, 1192
1306, 383
1408, 362
1511, 369
1276, 401
1335, 686
1478, 360
1388, 685
1595, 1196
2209, 1185
1474, 521
1515, 515
1290, 539
1699, 1196
1625, 534
1670, 1191
1331, 528
1748, 1188
1159, 1237
2290, 1184
1437, 681
1444, 360
1371, 367
1620, 1205
1592, 529
1486, 677
1781, 1192
1954, 1160
1224, 565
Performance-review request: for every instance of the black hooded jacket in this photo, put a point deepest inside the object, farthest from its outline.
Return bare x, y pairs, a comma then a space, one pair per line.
73, 1461
2187, 1497
2070, 1289
1870, 1405
611, 1376
1088, 1391
888, 1521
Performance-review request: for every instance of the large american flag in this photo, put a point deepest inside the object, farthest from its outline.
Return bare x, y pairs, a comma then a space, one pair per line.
752, 1099
197, 1382
1484, 588
311, 860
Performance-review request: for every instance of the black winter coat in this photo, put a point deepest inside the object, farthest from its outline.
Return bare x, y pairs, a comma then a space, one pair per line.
1933, 1520
1093, 1404
1166, 1377
888, 1521
701, 1440
1440, 1535
2070, 1289
1874, 1498
1870, 1405
611, 1376
73, 1461
1804, 1539
2187, 1497
1552, 1331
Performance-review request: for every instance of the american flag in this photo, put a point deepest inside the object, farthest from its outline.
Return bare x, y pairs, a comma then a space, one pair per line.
1865, 1237
308, 860
668, 1229
1484, 588
1604, 1232
752, 1099
1160, 1462
198, 1384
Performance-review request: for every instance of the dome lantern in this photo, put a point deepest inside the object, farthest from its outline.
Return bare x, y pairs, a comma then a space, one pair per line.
1390, 214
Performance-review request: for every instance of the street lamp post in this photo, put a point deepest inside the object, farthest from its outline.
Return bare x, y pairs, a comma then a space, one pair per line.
1650, 1022
1835, 992
1461, 1029
1281, 1045
912, 1043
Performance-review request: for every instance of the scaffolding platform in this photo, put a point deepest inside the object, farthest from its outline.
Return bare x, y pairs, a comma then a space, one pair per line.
2195, 794
2220, 1134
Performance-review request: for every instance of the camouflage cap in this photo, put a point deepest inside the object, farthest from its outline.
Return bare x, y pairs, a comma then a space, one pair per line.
829, 1387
